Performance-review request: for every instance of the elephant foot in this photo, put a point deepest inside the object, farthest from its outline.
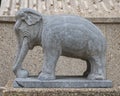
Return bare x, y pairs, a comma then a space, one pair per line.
21, 73
95, 77
45, 76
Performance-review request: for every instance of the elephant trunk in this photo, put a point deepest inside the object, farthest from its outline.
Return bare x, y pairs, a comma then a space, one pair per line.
22, 51
19, 40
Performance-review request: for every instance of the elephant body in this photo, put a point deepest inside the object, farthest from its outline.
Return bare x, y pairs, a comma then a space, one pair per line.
66, 35
73, 35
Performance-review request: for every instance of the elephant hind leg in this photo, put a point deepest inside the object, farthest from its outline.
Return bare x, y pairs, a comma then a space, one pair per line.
97, 68
88, 69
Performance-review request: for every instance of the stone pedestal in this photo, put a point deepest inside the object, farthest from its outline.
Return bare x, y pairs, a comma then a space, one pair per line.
10, 91
61, 82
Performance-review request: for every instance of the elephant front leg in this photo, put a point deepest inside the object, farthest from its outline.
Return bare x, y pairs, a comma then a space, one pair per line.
19, 72
50, 59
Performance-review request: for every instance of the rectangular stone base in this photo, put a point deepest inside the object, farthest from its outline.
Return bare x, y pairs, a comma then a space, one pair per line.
61, 82
8, 90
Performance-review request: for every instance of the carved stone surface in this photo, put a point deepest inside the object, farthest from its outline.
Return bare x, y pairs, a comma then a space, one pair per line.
61, 82
100, 8
10, 91
65, 35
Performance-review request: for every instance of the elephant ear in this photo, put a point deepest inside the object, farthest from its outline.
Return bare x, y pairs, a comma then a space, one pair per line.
32, 19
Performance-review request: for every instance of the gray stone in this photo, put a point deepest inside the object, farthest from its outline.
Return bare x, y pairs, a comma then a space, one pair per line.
61, 82
65, 35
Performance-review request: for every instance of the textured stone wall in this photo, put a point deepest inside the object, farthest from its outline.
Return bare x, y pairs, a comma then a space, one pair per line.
88, 8
65, 66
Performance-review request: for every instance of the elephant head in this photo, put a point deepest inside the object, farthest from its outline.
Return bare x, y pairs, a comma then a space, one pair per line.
28, 29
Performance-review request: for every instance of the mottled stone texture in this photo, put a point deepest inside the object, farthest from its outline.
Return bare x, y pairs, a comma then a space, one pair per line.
0, 92
10, 91
59, 35
66, 66
109, 8
61, 82
61, 92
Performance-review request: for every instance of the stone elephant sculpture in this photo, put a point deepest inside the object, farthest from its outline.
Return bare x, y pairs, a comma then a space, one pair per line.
65, 35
